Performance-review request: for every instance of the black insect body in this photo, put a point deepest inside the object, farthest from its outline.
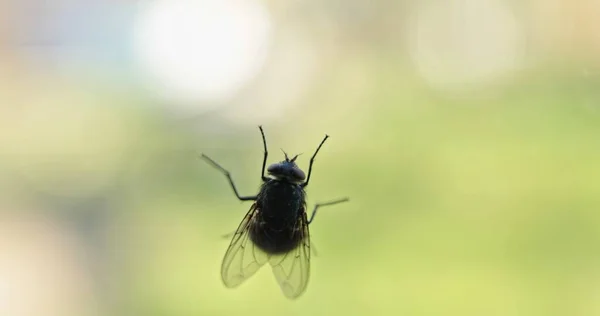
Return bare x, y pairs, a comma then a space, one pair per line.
275, 229
278, 232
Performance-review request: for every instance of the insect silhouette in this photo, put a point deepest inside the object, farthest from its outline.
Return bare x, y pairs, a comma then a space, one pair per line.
275, 229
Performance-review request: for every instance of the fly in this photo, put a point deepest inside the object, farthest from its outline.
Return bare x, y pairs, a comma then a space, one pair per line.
275, 229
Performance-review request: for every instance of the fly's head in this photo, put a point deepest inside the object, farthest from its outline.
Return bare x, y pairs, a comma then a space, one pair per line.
287, 170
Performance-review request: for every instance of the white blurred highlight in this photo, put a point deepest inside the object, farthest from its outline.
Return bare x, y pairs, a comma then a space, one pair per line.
202, 50
463, 44
284, 82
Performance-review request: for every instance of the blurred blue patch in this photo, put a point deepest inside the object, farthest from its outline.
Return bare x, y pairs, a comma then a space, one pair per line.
95, 32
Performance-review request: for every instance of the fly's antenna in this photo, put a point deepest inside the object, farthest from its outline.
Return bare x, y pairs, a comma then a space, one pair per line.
286, 156
294, 159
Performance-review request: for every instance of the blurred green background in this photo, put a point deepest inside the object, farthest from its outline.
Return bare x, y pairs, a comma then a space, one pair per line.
466, 134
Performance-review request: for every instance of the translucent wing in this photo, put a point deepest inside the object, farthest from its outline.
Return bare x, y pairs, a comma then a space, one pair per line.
242, 258
293, 268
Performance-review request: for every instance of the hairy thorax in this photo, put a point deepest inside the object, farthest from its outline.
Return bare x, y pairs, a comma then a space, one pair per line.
278, 225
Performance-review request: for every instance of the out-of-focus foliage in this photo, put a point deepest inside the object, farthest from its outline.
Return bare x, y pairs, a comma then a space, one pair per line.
473, 176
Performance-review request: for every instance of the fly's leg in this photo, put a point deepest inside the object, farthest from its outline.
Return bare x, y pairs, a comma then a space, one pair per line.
262, 173
227, 236
312, 160
228, 175
314, 212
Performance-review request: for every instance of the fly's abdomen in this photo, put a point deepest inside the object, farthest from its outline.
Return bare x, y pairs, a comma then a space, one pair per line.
274, 241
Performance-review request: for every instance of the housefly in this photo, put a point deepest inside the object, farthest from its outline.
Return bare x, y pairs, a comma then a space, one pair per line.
275, 229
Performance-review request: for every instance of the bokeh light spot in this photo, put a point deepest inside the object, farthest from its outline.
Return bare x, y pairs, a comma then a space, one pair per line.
463, 44
203, 50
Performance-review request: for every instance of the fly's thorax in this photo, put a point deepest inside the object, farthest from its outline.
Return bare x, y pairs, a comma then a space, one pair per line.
280, 198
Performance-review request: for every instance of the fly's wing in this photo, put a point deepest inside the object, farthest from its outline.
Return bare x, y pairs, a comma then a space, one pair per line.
242, 258
293, 268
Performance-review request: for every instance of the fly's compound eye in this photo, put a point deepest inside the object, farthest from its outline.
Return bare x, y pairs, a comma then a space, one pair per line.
275, 169
286, 169
298, 174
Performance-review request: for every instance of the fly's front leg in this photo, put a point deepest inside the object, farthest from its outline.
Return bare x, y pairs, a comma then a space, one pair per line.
262, 173
312, 160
